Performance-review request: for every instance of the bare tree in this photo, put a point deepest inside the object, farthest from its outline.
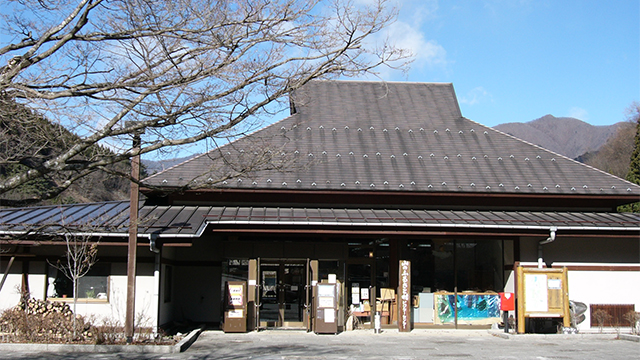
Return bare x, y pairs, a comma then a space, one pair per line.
80, 255
181, 70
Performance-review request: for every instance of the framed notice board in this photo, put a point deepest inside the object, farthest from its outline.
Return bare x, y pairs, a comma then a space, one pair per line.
542, 293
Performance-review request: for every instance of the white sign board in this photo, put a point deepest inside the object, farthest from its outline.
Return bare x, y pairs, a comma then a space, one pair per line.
536, 295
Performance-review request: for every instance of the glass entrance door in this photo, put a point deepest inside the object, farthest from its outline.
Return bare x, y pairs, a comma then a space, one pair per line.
282, 293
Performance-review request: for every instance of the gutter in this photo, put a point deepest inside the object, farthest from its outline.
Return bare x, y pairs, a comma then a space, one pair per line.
550, 239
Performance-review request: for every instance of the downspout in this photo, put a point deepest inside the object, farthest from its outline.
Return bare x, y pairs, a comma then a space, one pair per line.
550, 239
153, 246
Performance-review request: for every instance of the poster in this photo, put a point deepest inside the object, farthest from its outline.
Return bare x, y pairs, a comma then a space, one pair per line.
536, 296
326, 290
329, 316
236, 295
325, 302
364, 293
472, 308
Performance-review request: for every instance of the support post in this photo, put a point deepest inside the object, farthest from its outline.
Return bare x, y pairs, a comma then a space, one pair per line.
129, 323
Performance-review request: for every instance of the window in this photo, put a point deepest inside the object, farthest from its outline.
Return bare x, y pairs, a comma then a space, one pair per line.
94, 285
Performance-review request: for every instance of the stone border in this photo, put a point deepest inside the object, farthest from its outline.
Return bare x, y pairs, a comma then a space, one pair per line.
510, 336
630, 337
70, 348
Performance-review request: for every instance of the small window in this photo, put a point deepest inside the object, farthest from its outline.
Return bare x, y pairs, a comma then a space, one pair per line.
94, 285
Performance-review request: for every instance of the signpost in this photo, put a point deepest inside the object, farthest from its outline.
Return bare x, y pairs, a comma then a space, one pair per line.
404, 296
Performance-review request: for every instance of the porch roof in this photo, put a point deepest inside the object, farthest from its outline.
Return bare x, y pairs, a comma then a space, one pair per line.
112, 219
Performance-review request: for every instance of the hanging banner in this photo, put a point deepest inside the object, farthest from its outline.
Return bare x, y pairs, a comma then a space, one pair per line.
404, 296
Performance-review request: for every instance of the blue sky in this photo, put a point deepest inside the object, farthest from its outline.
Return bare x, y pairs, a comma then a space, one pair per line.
518, 60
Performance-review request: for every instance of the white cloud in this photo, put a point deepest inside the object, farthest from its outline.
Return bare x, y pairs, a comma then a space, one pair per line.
476, 96
578, 113
425, 52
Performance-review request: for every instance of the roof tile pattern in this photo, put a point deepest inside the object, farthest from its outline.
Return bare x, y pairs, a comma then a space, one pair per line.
112, 219
375, 136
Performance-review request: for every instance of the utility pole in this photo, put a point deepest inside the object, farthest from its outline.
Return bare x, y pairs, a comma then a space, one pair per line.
129, 322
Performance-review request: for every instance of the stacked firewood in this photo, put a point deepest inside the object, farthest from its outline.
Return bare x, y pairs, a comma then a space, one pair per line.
42, 321
46, 308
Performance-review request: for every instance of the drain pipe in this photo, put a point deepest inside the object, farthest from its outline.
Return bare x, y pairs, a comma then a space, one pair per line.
153, 243
550, 239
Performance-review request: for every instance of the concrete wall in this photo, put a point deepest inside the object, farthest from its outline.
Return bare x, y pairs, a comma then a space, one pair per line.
592, 286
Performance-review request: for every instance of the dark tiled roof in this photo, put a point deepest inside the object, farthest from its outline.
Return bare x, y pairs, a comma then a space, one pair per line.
112, 218
372, 136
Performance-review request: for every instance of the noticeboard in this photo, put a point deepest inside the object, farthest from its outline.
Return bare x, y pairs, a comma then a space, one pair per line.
235, 314
542, 293
326, 308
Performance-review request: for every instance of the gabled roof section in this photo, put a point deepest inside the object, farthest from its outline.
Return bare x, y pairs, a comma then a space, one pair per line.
397, 136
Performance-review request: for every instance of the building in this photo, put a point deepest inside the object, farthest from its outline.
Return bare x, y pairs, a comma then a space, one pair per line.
360, 176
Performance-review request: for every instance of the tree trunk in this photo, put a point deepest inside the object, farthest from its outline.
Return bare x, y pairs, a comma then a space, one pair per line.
75, 301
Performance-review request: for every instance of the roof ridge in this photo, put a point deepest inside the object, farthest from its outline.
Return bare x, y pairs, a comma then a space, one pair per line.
381, 82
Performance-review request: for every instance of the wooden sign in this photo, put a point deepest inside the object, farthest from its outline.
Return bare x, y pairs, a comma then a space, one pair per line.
404, 296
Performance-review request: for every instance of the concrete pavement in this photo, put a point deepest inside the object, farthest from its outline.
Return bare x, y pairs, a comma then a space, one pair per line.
364, 344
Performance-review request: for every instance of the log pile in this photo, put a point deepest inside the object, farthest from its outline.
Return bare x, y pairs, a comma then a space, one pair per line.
46, 308
43, 321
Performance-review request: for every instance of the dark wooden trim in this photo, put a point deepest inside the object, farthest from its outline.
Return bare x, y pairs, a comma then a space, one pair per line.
381, 199
600, 267
100, 243
190, 263
373, 231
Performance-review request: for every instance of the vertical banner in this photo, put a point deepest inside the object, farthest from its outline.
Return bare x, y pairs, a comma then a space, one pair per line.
404, 296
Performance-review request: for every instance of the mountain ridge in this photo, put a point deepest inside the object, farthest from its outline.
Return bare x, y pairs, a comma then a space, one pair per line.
567, 136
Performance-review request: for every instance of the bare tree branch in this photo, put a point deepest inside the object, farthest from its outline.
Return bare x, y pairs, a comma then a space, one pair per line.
181, 71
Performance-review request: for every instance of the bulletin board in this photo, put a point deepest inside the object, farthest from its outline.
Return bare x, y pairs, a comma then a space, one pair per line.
542, 293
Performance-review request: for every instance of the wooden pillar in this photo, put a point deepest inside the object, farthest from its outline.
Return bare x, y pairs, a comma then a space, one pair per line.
129, 322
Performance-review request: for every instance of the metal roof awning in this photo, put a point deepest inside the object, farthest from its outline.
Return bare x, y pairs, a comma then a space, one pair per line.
111, 219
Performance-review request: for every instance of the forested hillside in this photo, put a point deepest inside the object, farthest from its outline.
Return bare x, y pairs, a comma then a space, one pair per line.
28, 143
567, 136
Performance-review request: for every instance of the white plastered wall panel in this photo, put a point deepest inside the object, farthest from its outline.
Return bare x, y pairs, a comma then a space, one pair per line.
602, 286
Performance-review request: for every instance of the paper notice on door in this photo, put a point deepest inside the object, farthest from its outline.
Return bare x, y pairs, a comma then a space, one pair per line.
325, 302
329, 315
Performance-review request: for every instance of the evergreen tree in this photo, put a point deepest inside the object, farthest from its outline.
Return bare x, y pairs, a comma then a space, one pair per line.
634, 167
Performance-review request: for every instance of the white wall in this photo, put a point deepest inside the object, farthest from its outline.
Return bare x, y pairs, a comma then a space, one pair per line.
602, 287
146, 301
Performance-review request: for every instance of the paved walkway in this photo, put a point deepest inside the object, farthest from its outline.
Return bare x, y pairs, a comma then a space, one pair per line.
364, 344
